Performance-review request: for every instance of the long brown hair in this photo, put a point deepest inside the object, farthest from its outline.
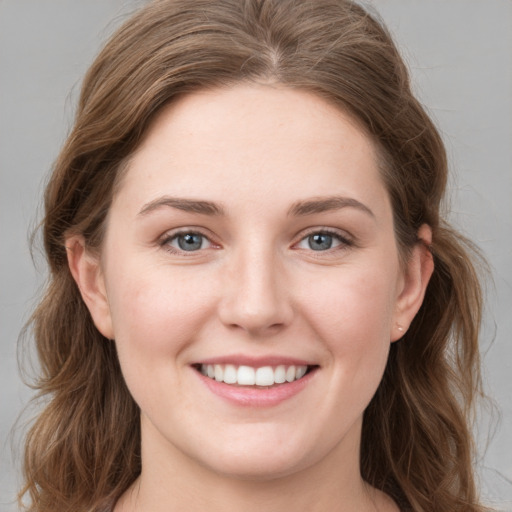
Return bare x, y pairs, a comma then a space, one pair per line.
83, 451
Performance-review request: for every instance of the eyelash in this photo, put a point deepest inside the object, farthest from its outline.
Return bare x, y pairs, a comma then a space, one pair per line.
169, 237
345, 242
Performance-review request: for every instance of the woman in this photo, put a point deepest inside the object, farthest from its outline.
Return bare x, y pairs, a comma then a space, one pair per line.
255, 303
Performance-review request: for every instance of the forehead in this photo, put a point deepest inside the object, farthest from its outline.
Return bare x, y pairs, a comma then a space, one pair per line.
253, 142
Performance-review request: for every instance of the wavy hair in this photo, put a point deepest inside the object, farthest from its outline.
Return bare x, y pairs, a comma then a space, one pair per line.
83, 450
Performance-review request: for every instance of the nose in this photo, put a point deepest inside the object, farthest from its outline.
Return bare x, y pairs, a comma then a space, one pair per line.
255, 295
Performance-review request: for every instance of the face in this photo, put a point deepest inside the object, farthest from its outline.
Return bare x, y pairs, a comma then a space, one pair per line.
251, 280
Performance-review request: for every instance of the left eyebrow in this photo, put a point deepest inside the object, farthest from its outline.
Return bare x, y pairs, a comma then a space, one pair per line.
187, 205
324, 204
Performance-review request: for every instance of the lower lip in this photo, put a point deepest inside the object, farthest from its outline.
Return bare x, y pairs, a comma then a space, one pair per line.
249, 396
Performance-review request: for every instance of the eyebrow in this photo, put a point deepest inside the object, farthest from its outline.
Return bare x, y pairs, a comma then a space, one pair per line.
300, 208
187, 205
324, 204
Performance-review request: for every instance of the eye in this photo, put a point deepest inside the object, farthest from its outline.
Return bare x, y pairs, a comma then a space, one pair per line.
189, 241
323, 241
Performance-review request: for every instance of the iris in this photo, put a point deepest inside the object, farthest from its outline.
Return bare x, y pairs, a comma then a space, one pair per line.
190, 241
320, 241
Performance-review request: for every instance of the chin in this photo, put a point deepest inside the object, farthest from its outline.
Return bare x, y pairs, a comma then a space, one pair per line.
259, 461
256, 469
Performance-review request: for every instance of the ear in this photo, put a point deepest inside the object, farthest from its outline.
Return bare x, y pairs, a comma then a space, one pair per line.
416, 277
86, 271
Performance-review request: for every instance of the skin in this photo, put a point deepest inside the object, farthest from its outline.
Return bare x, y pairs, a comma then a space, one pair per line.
257, 288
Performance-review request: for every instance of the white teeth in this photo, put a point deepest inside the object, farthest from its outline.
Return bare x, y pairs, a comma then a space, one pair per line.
249, 376
219, 373
300, 371
246, 376
230, 374
290, 374
280, 374
265, 376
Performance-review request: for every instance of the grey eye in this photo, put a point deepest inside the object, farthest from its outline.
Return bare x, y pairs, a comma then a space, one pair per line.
189, 241
320, 241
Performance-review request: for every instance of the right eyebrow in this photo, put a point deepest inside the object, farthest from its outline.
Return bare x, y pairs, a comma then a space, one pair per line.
187, 205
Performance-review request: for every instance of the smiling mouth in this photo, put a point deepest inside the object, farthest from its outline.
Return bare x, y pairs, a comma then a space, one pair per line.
260, 377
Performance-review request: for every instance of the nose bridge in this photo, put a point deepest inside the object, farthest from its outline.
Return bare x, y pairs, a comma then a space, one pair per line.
255, 298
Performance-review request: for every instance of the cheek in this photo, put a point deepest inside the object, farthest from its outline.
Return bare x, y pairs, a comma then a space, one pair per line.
353, 310
156, 313
353, 317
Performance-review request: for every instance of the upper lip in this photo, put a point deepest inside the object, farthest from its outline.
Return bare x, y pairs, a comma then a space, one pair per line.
255, 362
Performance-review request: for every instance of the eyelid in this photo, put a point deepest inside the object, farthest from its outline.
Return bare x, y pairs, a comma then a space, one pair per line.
346, 240
165, 239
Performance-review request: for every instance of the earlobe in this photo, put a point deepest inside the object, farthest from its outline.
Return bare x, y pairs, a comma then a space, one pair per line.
86, 271
417, 275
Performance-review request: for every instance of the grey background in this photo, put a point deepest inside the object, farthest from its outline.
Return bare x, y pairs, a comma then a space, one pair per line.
460, 54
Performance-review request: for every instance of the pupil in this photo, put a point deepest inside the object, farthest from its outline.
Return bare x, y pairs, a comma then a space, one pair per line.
320, 242
190, 242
